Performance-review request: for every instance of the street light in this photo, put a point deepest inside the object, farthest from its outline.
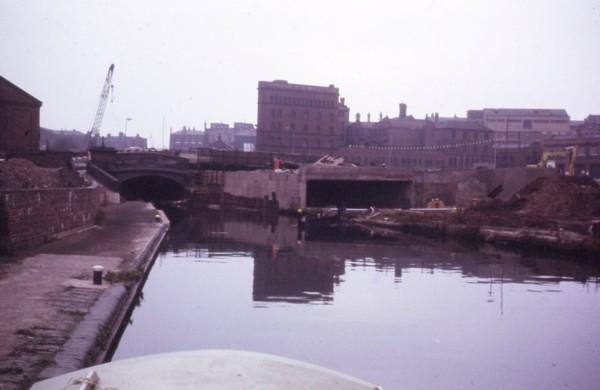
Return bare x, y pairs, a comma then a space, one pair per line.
127, 120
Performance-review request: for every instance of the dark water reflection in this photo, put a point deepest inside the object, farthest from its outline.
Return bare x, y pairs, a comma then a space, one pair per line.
411, 314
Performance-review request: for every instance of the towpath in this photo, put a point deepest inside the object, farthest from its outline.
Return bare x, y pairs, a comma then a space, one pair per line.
53, 317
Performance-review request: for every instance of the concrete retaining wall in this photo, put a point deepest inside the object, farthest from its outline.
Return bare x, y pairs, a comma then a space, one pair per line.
455, 188
289, 187
31, 217
459, 188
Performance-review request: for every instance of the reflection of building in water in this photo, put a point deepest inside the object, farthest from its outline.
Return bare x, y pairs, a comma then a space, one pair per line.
304, 271
286, 276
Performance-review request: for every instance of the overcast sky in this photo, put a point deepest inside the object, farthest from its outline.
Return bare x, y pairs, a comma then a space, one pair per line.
197, 61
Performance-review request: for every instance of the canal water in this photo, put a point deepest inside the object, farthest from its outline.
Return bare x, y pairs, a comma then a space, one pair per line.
405, 314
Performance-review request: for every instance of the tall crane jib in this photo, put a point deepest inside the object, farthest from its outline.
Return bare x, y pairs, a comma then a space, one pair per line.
94, 132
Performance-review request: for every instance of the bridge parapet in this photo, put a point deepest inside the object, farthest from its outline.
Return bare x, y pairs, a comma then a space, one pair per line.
110, 159
324, 172
149, 159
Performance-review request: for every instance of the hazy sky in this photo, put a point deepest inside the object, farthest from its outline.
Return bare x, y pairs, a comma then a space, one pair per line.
196, 61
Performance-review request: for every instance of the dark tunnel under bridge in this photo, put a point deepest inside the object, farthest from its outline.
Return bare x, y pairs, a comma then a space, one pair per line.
358, 193
152, 188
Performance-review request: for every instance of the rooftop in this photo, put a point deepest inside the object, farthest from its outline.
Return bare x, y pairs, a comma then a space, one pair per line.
10, 92
284, 85
525, 112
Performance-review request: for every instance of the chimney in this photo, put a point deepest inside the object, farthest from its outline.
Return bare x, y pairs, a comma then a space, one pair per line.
343, 101
402, 110
380, 116
437, 117
357, 117
369, 117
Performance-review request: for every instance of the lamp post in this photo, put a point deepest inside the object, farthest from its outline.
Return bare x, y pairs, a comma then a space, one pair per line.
127, 120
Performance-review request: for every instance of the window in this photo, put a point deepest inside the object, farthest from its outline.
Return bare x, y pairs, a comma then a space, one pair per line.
319, 115
305, 115
292, 114
527, 124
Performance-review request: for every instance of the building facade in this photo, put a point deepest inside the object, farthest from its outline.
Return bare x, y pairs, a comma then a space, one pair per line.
19, 119
587, 160
296, 118
522, 125
122, 141
589, 126
186, 139
431, 143
63, 140
240, 136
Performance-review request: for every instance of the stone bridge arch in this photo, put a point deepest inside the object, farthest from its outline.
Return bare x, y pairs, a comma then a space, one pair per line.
152, 187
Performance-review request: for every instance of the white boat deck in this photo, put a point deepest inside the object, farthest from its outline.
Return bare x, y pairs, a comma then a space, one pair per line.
207, 370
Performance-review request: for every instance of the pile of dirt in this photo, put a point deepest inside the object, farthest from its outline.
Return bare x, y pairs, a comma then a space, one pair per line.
559, 197
18, 173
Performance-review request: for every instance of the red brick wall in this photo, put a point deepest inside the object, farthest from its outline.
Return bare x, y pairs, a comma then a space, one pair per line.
19, 119
295, 118
31, 217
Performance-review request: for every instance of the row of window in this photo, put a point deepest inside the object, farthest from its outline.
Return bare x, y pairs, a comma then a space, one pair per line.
304, 101
303, 142
305, 128
453, 162
527, 122
305, 115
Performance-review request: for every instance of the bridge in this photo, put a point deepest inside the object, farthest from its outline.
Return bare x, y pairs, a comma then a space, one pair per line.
164, 176
141, 175
241, 176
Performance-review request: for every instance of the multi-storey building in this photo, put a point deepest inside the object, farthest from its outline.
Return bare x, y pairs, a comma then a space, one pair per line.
242, 136
63, 140
522, 126
587, 160
590, 125
19, 119
122, 141
296, 118
431, 143
186, 139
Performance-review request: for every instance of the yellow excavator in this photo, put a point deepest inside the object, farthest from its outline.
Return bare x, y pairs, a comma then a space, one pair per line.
570, 153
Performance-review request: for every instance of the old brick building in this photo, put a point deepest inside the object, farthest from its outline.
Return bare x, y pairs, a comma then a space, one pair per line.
240, 136
19, 119
296, 118
587, 161
187, 139
522, 125
123, 141
431, 143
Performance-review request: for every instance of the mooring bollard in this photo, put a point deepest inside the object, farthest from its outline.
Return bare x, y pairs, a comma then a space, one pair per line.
98, 269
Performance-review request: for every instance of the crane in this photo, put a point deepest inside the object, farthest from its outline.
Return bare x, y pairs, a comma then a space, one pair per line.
107, 88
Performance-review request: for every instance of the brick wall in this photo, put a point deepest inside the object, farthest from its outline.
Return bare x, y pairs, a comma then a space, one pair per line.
31, 217
19, 119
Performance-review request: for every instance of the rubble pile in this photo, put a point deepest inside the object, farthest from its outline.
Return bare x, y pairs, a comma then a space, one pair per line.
18, 173
559, 197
